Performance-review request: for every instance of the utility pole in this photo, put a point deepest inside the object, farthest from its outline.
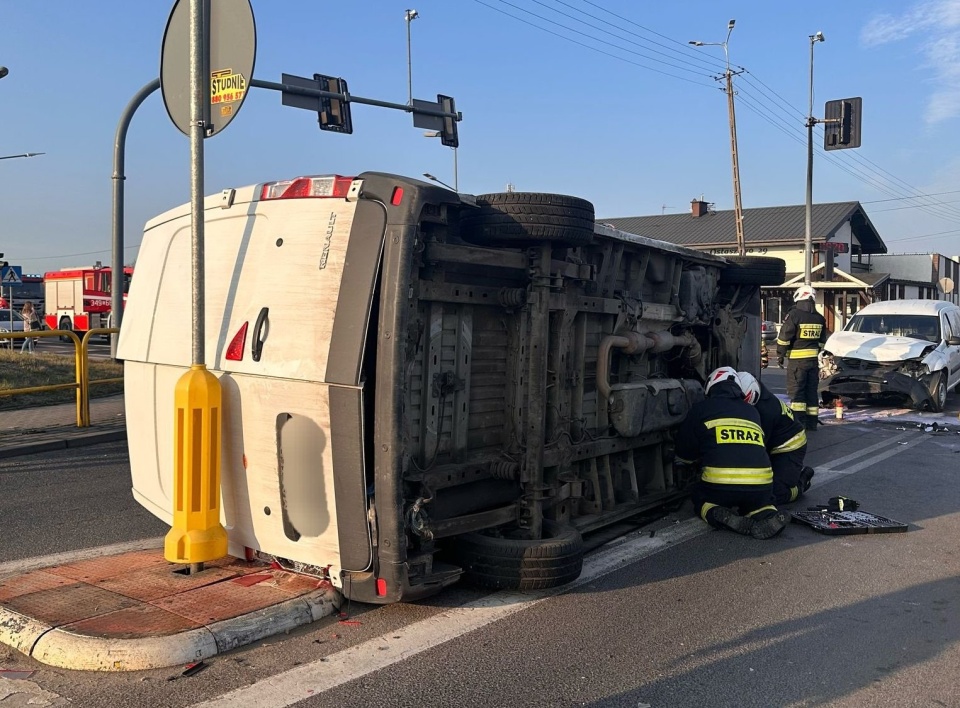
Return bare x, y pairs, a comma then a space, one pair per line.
728, 75
808, 214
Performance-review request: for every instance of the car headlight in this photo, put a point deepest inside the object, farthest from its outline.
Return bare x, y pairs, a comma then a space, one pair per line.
915, 368
828, 366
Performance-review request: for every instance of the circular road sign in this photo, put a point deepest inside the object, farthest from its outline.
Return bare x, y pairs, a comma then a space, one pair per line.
233, 51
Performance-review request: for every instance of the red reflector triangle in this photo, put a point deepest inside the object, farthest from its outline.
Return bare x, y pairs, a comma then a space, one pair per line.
235, 350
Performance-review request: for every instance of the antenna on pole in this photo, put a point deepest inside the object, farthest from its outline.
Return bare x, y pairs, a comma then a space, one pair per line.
664, 207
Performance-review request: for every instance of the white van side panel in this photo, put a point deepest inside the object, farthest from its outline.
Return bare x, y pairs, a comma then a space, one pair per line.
254, 507
286, 256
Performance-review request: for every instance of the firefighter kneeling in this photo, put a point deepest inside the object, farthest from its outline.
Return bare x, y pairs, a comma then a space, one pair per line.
724, 437
785, 437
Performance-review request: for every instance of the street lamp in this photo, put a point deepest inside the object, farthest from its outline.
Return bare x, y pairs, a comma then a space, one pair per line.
808, 225
4, 71
438, 134
26, 154
438, 181
738, 207
409, 16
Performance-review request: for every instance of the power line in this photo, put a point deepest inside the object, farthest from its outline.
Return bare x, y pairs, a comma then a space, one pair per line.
74, 255
858, 167
587, 46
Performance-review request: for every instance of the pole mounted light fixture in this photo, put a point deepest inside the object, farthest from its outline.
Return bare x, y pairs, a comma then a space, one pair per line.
808, 211
4, 71
456, 179
409, 16
438, 181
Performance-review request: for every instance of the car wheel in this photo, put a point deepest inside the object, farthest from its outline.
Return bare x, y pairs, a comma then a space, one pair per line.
504, 563
938, 393
516, 218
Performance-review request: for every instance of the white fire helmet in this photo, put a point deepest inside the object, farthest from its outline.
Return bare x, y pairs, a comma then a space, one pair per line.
724, 373
749, 386
804, 292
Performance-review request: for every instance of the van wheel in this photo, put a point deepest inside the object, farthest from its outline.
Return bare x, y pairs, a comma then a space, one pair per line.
753, 270
511, 218
66, 327
938, 393
505, 563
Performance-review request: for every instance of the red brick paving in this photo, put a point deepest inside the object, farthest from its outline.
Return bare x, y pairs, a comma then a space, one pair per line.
214, 603
160, 581
132, 623
138, 594
69, 603
90, 571
30, 582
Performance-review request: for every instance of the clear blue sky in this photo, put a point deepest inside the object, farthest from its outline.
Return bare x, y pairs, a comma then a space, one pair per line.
603, 99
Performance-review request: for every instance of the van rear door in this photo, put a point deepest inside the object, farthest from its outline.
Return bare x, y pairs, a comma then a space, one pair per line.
289, 284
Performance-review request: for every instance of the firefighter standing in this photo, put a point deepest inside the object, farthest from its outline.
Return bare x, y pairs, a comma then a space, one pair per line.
802, 336
785, 438
722, 434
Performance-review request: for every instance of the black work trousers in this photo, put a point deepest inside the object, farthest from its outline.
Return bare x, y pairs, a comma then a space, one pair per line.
755, 501
787, 473
803, 375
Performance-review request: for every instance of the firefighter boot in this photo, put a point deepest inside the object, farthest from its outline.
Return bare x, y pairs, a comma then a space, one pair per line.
770, 526
811, 421
723, 516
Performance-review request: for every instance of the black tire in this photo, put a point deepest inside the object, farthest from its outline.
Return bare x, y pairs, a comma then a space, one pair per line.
753, 270
503, 563
65, 326
938, 392
511, 218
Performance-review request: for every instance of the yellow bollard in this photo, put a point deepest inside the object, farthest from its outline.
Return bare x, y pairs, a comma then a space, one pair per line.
197, 535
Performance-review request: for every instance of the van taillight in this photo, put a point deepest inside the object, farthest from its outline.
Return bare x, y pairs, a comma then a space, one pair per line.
381, 587
397, 196
235, 350
302, 187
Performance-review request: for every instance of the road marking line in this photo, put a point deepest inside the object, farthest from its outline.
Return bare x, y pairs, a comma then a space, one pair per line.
828, 474
27, 564
867, 450
289, 687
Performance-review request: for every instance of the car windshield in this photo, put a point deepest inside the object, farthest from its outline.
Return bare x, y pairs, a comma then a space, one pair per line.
5, 316
914, 326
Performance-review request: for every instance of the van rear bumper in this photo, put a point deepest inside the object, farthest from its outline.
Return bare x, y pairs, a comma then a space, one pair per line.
362, 587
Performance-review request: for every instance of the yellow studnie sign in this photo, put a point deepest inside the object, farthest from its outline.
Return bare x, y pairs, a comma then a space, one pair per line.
226, 86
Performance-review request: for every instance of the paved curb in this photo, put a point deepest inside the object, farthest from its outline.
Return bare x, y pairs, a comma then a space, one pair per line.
73, 440
66, 650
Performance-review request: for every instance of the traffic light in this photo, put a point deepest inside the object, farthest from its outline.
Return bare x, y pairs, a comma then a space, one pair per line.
334, 114
448, 134
841, 124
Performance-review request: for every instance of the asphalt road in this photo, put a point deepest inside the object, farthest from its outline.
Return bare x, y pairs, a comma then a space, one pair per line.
684, 616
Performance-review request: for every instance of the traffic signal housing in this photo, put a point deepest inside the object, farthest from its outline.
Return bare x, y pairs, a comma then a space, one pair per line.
841, 123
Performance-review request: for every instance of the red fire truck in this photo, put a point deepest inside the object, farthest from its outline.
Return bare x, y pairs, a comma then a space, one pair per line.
79, 299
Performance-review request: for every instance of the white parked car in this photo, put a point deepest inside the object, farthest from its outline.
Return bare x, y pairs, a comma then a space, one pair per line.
904, 348
10, 321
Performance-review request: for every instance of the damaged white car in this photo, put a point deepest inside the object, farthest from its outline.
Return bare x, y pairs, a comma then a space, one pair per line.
907, 349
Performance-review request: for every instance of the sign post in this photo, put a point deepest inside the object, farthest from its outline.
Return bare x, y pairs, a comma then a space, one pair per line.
205, 67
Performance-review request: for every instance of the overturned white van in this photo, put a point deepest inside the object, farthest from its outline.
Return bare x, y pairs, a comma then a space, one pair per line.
420, 385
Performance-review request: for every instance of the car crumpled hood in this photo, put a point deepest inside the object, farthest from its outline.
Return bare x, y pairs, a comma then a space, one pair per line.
875, 347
